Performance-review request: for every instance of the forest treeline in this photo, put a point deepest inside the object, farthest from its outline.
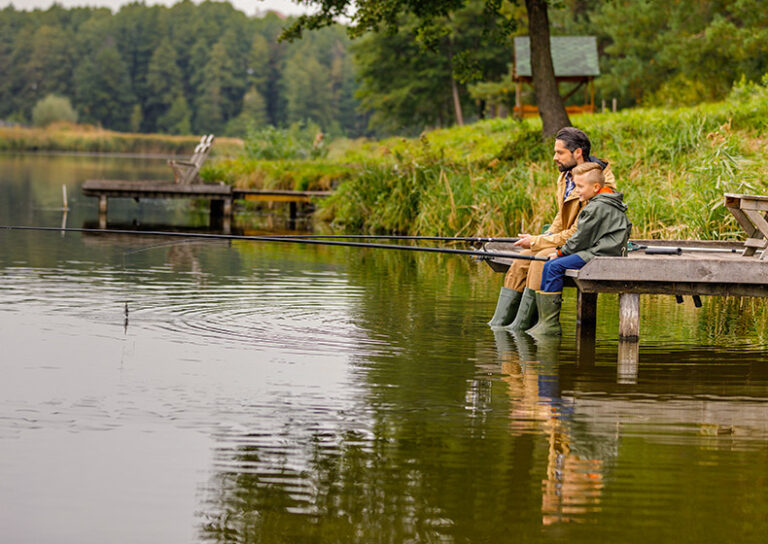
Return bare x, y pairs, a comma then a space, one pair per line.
211, 68
177, 70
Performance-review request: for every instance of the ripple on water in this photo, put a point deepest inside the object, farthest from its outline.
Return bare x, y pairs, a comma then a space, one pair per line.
304, 312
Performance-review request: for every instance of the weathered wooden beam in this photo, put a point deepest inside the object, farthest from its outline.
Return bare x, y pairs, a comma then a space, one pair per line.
674, 288
629, 316
705, 268
293, 199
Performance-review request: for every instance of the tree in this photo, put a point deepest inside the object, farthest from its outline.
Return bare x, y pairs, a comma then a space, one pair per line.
216, 99
417, 77
49, 68
403, 85
253, 114
372, 15
308, 90
103, 89
178, 118
679, 53
164, 84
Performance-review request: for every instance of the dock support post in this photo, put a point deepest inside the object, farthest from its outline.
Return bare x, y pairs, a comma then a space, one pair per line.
217, 208
629, 317
102, 211
586, 313
629, 354
586, 320
293, 210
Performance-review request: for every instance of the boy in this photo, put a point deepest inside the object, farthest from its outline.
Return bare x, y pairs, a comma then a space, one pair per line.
603, 230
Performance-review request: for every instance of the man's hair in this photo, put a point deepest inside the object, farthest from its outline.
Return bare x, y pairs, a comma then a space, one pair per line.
574, 139
591, 171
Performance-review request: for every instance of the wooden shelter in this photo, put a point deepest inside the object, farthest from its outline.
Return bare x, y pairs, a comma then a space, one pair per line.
575, 61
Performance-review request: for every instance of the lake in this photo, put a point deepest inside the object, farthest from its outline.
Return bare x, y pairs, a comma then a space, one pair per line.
158, 390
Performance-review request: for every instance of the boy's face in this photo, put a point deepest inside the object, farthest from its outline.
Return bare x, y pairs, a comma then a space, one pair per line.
584, 188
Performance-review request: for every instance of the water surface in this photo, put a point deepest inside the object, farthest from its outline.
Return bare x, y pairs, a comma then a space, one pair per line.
176, 391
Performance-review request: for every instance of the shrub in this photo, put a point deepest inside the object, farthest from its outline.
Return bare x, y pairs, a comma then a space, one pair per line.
53, 108
299, 141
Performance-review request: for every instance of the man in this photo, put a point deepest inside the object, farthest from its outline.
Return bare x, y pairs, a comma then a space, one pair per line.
516, 307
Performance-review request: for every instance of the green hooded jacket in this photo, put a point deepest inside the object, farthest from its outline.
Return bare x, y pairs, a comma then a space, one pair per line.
603, 228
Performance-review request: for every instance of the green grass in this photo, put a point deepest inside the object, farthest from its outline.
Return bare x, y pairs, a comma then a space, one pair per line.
496, 177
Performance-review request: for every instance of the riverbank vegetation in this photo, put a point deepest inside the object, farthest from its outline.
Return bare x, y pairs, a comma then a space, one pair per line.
496, 177
69, 137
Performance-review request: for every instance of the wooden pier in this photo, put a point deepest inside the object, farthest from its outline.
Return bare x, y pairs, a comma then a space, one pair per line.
710, 268
692, 273
221, 196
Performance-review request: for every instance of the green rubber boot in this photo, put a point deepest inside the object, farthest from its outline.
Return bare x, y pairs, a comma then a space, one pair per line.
506, 307
548, 305
526, 313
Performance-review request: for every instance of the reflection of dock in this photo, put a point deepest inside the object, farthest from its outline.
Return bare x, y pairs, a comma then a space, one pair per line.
136, 239
221, 196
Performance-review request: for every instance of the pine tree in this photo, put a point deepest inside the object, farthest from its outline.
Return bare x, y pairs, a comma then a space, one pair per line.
103, 90
164, 84
178, 118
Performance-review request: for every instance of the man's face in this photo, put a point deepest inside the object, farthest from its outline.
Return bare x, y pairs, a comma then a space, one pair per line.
564, 159
584, 188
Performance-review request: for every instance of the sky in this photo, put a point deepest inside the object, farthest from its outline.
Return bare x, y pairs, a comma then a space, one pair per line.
250, 7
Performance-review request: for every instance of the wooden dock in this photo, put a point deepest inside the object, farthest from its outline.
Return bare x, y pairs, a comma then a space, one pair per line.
221, 196
712, 268
697, 271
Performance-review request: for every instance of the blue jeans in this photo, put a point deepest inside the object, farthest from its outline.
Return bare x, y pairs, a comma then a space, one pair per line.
554, 272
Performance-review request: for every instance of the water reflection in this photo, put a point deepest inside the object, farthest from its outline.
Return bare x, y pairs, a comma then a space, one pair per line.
240, 392
574, 473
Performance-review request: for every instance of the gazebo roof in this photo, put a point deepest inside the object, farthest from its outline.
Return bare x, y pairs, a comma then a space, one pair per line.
572, 56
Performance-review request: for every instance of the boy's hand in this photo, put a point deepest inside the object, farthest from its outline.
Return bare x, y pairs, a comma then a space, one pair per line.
553, 256
524, 241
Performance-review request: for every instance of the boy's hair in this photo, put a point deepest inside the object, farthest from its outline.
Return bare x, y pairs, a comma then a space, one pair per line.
574, 139
592, 171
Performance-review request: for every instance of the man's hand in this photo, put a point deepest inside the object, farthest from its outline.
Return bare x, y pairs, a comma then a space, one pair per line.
524, 241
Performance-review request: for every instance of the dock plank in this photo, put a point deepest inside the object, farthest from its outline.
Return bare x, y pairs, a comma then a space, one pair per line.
153, 189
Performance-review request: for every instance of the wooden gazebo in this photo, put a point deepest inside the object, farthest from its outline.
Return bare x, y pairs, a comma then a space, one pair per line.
575, 61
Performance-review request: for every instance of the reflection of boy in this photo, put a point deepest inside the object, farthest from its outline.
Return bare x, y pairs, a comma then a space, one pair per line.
603, 230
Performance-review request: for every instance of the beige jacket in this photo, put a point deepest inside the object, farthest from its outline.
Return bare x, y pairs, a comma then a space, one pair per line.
564, 224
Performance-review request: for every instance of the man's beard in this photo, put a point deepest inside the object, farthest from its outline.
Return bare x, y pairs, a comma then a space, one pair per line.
564, 168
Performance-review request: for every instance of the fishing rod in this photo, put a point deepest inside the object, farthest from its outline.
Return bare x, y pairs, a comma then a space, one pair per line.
210, 236
677, 250
394, 237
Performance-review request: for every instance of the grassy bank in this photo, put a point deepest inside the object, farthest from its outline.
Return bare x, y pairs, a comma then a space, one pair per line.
86, 138
497, 178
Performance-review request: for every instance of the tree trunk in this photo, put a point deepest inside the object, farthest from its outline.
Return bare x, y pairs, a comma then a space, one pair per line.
457, 103
455, 90
551, 107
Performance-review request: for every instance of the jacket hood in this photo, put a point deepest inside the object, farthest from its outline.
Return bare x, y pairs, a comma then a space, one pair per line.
614, 199
601, 162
